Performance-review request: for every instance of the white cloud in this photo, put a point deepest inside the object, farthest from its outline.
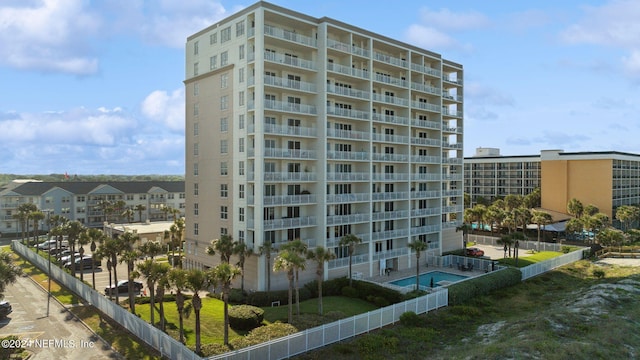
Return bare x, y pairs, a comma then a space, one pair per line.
446, 19
168, 109
49, 36
428, 37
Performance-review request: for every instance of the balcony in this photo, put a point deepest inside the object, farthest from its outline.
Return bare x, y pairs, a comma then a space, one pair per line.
451, 145
419, 230
428, 194
390, 176
450, 80
288, 223
335, 241
347, 155
287, 35
286, 153
426, 88
426, 70
348, 198
452, 209
348, 113
426, 212
285, 176
347, 134
391, 119
347, 70
390, 254
347, 219
390, 99
285, 130
290, 60
450, 112
346, 91
344, 47
452, 177
348, 176
287, 107
389, 234
454, 161
289, 200
426, 124
425, 141
450, 129
391, 80
426, 159
389, 215
342, 262
389, 196
390, 138
426, 177
426, 106
390, 157
392, 60
287, 83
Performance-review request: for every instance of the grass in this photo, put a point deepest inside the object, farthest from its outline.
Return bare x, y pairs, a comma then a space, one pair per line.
524, 261
347, 306
565, 313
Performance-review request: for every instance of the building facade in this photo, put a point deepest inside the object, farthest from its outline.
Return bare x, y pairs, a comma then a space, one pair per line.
606, 179
309, 128
83, 201
489, 176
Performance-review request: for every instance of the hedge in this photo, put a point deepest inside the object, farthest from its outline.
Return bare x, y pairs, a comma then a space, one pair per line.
462, 292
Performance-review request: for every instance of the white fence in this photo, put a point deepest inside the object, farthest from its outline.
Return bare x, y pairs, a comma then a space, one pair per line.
154, 337
320, 336
547, 265
523, 244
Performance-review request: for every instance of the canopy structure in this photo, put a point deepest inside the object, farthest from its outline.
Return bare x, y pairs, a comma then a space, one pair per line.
555, 227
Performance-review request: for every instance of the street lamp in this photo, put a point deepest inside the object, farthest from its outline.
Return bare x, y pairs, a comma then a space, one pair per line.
109, 265
48, 211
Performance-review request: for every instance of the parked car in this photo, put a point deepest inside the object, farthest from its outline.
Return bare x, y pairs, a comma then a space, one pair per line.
66, 256
5, 309
56, 251
123, 287
474, 252
83, 263
51, 243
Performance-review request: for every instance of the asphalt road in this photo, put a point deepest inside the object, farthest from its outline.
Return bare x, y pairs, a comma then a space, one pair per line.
57, 336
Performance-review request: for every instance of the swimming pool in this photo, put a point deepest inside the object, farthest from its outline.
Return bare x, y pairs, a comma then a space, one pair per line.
425, 279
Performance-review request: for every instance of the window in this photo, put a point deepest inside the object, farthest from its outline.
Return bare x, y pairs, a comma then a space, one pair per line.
224, 125
269, 213
195, 149
196, 109
213, 38
224, 146
241, 121
195, 208
240, 28
82, 198
241, 52
241, 235
195, 69
293, 234
224, 102
224, 231
241, 168
241, 214
270, 237
195, 169
224, 81
224, 58
213, 62
224, 168
224, 190
241, 191
129, 197
224, 212
196, 89
195, 228
196, 47
142, 197
241, 98
196, 129
269, 167
269, 190
225, 34
241, 145
241, 75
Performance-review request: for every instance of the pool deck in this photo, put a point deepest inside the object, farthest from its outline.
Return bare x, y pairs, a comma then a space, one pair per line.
401, 274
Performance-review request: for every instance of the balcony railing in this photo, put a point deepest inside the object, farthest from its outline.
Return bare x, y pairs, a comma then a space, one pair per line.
426, 88
289, 200
347, 155
391, 80
341, 90
391, 119
389, 215
287, 83
347, 176
426, 141
426, 124
286, 176
362, 74
426, 212
426, 70
387, 196
290, 60
289, 36
425, 194
426, 177
356, 114
389, 234
426, 159
390, 99
285, 153
287, 223
447, 111
426, 106
286, 130
348, 198
348, 134
347, 219
378, 56
390, 176
425, 229
288, 107
390, 138
390, 157
337, 45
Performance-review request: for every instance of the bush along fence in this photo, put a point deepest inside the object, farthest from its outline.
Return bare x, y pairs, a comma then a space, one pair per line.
152, 336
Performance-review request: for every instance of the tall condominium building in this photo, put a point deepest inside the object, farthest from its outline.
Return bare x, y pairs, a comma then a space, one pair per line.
85, 201
488, 175
309, 128
606, 179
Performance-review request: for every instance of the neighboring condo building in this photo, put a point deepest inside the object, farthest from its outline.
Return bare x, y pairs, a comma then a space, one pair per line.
84, 201
606, 179
488, 175
312, 129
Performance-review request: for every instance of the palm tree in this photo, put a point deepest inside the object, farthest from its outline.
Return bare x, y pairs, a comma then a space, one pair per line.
176, 230
300, 250
36, 217
465, 228
223, 274
243, 251
23, 217
575, 208
320, 255
150, 249
110, 249
197, 280
540, 218
128, 214
105, 206
266, 249
223, 246
178, 280
9, 271
153, 272
163, 285
94, 235
129, 255
73, 229
83, 239
118, 208
418, 246
350, 241
286, 261
140, 208
495, 215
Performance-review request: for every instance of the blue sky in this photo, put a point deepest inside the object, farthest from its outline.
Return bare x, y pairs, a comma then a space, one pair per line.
95, 87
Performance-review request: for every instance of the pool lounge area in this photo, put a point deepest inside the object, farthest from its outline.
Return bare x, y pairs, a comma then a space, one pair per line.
431, 279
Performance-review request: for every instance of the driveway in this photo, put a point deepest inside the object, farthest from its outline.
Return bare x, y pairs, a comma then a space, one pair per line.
57, 336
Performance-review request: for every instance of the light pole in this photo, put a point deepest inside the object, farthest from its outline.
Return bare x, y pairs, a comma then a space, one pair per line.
48, 211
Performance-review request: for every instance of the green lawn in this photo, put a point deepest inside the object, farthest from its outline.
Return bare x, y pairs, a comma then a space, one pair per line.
348, 306
531, 259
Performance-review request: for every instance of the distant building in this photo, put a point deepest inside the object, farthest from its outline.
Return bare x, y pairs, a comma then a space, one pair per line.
82, 201
606, 179
310, 128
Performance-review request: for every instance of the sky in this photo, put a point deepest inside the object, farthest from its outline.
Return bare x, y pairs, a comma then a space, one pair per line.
96, 87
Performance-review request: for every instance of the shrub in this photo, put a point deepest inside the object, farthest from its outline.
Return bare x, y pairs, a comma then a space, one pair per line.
410, 319
263, 298
598, 273
263, 334
349, 292
565, 249
165, 298
462, 292
236, 296
379, 301
211, 349
245, 317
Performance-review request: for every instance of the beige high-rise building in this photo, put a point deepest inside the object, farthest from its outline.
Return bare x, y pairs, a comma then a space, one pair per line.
309, 128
